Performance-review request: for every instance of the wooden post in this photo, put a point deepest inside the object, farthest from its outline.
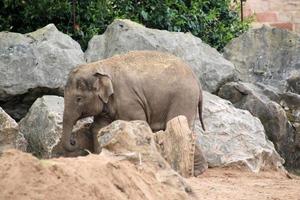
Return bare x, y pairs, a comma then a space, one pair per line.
177, 146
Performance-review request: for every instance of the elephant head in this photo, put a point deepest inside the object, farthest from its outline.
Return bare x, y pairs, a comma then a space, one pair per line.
85, 94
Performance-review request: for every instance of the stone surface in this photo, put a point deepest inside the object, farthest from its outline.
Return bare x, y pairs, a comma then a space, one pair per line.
123, 35
135, 141
42, 127
9, 130
267, 55
293, 82
234, 137
35, 63
21, 142
251, 97
267, 106
122, 137
268, 58
291, 104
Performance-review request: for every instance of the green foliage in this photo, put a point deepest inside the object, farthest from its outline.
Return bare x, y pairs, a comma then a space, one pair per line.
25, 16
213, 21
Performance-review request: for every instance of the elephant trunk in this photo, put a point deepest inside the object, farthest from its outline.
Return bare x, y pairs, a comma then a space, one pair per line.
69, 143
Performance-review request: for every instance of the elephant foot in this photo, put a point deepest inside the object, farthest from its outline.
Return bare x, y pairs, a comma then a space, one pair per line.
199, 171
200, 163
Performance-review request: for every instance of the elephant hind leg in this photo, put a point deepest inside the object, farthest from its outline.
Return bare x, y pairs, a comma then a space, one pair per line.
189, 113
200, 163
157, 126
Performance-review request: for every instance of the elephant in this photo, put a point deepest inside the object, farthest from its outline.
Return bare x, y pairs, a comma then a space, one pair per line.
140, 85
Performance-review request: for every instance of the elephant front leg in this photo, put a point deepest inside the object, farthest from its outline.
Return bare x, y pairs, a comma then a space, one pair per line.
99, 122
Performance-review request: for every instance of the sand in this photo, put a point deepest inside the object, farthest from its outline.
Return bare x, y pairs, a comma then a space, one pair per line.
23, 176
236, 184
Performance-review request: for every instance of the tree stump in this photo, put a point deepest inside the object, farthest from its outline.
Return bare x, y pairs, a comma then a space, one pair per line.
177, 145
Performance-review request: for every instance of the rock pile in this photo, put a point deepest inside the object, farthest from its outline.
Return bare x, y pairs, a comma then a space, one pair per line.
37, 63
267, 64
223, 144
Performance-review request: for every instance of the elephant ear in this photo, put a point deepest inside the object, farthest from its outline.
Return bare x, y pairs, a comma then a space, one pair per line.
103, 86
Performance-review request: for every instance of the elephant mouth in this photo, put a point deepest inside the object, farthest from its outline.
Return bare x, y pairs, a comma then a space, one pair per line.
84, 115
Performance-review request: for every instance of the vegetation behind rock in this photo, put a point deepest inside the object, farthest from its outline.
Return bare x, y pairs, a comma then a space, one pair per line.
215, 22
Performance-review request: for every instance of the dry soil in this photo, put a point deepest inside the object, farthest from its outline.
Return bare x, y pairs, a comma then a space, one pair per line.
23, 176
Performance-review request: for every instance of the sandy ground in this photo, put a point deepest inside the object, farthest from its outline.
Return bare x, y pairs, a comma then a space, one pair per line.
23, 176
235, 184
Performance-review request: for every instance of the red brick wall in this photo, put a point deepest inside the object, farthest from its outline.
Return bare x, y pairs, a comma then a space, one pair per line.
278, 13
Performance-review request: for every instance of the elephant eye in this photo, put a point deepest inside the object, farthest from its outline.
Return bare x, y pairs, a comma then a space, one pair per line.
78, 99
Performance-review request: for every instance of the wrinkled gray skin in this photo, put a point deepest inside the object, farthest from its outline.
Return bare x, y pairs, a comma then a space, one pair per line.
141, 85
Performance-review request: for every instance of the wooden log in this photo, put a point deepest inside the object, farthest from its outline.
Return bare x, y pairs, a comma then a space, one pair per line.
177, 145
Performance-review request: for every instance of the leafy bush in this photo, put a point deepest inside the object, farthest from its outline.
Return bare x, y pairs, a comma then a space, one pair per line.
24, 16
213, 21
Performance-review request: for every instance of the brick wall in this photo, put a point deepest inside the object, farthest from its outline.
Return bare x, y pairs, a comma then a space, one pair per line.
278, 13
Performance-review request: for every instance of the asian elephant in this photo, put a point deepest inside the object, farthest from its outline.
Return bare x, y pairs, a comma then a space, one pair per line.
140, 85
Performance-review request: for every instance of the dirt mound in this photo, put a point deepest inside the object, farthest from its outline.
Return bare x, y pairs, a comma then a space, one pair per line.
23, 176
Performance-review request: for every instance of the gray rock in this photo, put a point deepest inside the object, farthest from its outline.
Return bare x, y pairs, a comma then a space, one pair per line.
267, 55
234, 137
122, 137
37, 62
9, 130
291, 104
252, 98
264, 104
294, 82
124, 35
42, 127
21, 142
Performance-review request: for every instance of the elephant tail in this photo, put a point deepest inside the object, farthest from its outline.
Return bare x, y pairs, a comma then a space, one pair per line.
200, 109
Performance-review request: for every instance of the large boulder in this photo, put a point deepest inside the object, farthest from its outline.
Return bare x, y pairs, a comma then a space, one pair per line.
42, 127
130, 138
267, 55
264, 103
9, 132
234, 137
291, 104
251, 97
123, 35
34, 64
269, 59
